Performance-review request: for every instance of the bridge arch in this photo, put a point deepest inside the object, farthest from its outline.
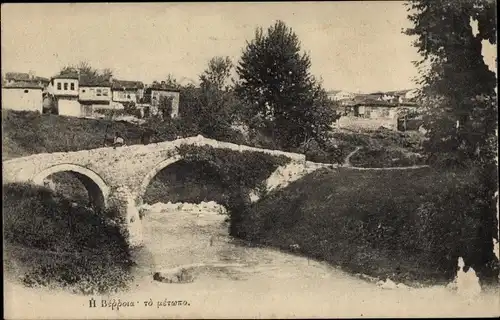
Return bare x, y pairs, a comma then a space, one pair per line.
152, 173
96, 187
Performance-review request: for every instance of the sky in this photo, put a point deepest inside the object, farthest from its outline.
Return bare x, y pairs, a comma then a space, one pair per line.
355, 46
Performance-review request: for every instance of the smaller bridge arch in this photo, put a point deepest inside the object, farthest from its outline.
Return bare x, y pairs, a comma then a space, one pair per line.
96, 187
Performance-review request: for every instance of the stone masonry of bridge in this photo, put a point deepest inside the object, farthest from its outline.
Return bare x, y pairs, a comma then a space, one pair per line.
118, 177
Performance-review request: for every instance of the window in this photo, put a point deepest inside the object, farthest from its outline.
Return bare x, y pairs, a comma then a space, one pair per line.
72, 86
105, 92
128, 96
83, 90
65, 86
98, 92
26, 91
59, 86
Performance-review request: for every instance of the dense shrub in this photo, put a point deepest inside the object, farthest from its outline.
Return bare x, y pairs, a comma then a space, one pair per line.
61, 243
236, 172
404, 224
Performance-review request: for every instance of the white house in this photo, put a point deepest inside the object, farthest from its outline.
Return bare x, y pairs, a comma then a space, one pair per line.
339, 95
94, 94
22, 96
65, 89
127, 91
64, 85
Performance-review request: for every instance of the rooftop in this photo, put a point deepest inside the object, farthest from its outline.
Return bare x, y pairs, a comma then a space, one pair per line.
23, 85
23, 76
67, 75
125, 84
89, 82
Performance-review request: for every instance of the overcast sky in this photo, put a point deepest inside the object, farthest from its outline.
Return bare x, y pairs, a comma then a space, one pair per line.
355, 46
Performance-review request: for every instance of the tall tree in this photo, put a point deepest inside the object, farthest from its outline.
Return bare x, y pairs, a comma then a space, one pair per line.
457, 87
280, 93
458, 91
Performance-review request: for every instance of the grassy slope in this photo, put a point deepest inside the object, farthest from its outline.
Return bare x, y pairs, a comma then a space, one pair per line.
26, 133
371, 222
50, 242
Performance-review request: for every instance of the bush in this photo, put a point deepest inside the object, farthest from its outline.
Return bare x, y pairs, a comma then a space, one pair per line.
404, 224
236, 172
73, 246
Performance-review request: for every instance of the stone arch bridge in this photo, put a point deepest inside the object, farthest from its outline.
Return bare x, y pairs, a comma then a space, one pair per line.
115, 177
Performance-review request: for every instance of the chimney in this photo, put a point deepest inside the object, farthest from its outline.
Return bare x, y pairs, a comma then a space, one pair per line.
31, 75
163, 84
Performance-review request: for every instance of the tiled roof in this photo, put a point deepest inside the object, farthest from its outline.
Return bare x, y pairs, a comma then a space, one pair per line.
87, 82
125, 84
159, 87
67, 75
22, 76
23, 85
17, 76
42, 79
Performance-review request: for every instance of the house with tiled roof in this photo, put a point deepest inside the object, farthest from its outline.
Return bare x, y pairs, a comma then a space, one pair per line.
94, 93
65, 84
22, 96
371, 111
23, 77
154, 94
127, 91
94, 90
339, 95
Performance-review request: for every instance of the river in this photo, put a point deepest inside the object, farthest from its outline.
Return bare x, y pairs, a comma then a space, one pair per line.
237, 281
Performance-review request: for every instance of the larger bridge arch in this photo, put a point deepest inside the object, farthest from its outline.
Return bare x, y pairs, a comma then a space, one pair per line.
97, 188
152, 173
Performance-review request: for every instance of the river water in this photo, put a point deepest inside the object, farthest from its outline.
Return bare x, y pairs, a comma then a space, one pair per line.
237, 281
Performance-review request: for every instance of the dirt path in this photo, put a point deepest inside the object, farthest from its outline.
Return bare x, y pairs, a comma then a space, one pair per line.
347, 161
347, 164
234, 281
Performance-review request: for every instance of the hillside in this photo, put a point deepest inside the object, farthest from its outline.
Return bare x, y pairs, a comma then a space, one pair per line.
26, 133
403, 224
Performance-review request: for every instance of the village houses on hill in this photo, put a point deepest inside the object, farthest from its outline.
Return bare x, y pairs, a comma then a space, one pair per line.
392, 110
75, 95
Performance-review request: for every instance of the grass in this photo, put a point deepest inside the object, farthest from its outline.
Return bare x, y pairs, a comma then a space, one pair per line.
405, 224
382, 148
26, 133
50, 242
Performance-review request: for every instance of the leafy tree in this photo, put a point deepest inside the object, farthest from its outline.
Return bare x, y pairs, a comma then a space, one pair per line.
458, 91
87, 72
280, 95
165, 107
209, 108
457, 86
171, 82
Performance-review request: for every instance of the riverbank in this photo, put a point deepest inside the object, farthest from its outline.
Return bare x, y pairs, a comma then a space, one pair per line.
257, 283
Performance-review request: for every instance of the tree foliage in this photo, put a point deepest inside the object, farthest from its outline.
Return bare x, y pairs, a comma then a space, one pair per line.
209, 109
458, 91
456, 85
87, 72
279, 92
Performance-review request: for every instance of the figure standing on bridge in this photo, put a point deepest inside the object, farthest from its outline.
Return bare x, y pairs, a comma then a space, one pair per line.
117, 141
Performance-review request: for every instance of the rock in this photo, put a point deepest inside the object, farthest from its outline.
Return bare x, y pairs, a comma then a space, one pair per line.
402, 286
467, 282
176, 275
388, 284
